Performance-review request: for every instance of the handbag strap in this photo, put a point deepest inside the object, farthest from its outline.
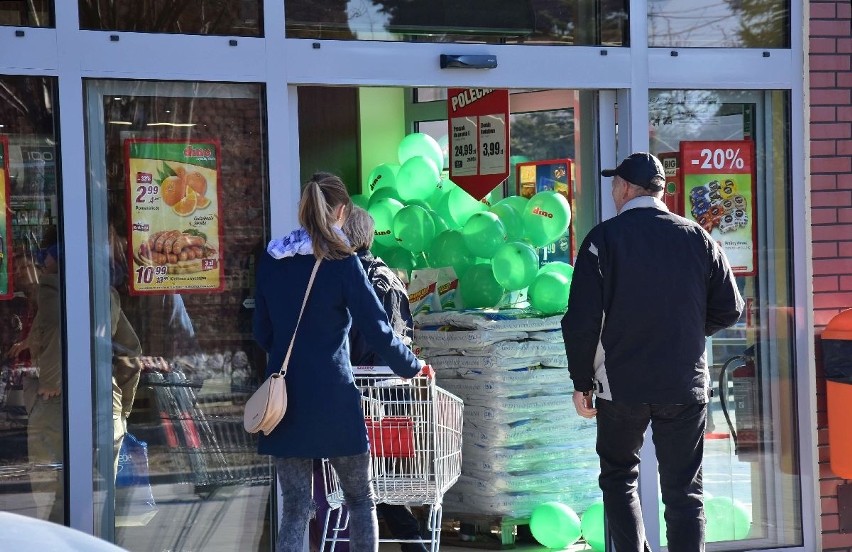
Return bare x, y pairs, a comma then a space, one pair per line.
283, 370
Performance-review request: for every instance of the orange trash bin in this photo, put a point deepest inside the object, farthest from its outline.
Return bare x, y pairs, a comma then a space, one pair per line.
837, 363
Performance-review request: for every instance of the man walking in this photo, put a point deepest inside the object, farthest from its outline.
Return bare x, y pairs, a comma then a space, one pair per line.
648, 288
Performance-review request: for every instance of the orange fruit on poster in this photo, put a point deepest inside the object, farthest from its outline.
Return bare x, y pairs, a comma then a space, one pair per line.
197, 182
187, 205
172, 190
179, 170
202, 202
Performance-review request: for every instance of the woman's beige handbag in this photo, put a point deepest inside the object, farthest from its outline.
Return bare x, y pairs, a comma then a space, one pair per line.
266, 407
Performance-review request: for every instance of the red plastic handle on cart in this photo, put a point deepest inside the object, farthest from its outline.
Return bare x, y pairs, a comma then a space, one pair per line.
427, 371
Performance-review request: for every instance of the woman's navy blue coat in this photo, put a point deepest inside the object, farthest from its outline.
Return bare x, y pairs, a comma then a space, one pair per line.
324, 417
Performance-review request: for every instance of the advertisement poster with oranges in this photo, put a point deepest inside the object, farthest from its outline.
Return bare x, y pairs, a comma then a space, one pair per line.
5, 223
173, 216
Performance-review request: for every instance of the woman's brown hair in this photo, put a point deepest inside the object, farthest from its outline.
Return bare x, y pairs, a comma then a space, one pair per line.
322, 194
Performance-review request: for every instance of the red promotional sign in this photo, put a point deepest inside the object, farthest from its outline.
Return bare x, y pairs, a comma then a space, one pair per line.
478, 127
719, 191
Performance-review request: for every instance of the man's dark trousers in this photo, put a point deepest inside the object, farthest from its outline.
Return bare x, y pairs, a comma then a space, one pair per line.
678, 434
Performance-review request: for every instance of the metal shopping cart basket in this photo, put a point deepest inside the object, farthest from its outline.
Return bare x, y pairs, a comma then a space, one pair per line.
415, 431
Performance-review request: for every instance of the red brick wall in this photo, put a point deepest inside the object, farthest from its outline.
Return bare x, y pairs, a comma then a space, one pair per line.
830, 56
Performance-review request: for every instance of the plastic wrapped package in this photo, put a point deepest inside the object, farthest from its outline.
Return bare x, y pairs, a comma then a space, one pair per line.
526, 320
463, 339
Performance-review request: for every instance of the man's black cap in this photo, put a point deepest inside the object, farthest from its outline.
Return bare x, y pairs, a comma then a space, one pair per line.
640, 169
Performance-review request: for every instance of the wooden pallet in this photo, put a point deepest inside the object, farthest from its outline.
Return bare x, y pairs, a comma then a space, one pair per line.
481, 531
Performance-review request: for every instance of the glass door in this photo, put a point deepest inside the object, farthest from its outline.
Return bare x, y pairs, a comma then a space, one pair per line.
178, 210
727, 162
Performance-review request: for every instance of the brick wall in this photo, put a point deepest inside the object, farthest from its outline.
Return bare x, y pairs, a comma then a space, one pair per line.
831, 200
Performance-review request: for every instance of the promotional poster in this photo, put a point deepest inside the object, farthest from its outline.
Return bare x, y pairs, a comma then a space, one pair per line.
174, 216
719, 190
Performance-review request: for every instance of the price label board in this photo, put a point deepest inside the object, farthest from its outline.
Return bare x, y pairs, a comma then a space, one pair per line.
719, 192
478, 121
173, 214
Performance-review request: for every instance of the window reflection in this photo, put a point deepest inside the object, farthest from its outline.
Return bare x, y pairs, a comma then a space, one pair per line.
32, 375
179, 193
32, 13
720, 23
203, 17
497, 21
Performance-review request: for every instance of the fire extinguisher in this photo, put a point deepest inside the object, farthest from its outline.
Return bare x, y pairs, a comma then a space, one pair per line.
746, 391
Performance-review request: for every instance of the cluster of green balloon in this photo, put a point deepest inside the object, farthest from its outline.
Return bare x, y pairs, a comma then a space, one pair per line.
592, 527
555, 525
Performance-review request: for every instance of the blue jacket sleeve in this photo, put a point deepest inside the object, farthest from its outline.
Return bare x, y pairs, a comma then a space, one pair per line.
261, 323
370, 318
724, 303
581, 325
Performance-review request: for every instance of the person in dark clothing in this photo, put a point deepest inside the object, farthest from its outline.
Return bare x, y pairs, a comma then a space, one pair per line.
393, 295
324, 418
649, 287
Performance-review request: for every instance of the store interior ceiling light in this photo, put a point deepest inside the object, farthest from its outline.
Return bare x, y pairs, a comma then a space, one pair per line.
172, 124
120, 123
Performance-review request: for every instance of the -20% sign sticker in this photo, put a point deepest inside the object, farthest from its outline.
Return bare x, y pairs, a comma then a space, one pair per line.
720, 158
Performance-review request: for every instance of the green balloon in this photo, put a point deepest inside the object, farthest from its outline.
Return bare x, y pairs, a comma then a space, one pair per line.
448, 249
546, 217
515, 265
379, 250
461, 206
478, 288
418, 178
419, 203
443, 189
440, 223
511, 219
399, 258
592, 527
549, 293
421, 261
413, 228
382, 176
443, 210
554, 525
361, 200
518, 202
383, 193
560, 268
383, 212
483, 234
419, 144
727, 519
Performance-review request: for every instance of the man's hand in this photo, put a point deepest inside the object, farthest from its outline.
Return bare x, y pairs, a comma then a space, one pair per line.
583, 404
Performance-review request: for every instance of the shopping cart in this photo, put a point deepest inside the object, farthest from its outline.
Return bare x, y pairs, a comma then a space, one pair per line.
415, 431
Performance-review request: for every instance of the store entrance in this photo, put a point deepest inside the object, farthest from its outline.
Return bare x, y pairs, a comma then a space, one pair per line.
460, 244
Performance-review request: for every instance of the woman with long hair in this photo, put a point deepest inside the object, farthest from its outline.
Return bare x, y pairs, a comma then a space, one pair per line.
324, 418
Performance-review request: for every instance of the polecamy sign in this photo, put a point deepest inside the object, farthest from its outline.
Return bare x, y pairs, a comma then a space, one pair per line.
479, 138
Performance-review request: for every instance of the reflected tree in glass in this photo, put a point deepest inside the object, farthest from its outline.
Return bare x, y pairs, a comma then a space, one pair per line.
204, 17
